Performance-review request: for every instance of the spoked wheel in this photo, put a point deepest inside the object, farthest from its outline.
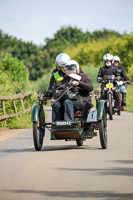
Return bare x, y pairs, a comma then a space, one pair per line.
103, 130
79, 142
110, 107
39, 131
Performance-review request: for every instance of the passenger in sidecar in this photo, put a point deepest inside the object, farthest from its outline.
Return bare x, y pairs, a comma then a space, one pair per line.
71, 94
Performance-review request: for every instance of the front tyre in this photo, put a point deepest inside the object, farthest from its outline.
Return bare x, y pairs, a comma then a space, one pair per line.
110, 107
119, 112
39, 131
103, 130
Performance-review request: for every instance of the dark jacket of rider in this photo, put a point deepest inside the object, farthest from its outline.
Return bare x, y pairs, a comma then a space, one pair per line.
84, 88
107, 71
121, 72
53, 81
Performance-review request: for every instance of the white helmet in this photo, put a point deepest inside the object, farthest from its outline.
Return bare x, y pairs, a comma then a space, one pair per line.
116, 58
62, 59
108, 56
72, 64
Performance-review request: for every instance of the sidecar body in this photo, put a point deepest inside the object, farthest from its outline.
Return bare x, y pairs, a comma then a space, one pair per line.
78, 130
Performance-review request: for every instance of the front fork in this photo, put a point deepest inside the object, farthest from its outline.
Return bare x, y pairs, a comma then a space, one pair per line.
112, 97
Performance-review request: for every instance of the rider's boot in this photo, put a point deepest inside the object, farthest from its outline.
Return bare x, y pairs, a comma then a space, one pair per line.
123, 99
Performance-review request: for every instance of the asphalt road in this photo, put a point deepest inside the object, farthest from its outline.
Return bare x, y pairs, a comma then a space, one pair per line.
64, 171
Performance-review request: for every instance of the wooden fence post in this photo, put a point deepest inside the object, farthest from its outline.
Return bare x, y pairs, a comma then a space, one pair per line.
14, 105
22, 102
3, 109
20, 96
3, 106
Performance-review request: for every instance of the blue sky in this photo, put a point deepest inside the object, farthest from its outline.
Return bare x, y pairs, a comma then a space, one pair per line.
35, 20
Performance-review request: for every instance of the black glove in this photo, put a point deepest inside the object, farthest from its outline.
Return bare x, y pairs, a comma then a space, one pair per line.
128, 82
48, 93
118, 78
69, 83
99, 79
74, 89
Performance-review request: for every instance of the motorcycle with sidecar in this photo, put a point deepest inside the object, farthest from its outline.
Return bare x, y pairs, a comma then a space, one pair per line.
79, 130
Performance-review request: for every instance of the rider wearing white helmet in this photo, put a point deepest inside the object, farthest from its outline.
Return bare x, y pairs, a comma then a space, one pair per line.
116, 59
73, 64
60, 62
108, 69
80, 88
123, 76
120, 71
58, 73
108, 58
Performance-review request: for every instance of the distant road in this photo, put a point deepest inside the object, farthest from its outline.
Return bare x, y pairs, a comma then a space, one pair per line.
63, 171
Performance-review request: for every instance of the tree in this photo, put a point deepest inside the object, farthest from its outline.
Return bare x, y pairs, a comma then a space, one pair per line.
16, 72
40, 60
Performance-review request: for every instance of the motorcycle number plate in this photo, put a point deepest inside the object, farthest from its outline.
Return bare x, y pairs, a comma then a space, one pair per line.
110, 85
60, 123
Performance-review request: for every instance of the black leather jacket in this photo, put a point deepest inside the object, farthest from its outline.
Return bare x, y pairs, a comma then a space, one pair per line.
84, 88
107, 71
121, 72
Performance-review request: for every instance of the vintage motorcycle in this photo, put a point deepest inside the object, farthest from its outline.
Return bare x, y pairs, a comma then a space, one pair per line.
79, 130
109, 91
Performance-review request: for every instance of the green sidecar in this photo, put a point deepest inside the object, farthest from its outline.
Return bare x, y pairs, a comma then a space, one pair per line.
81, 129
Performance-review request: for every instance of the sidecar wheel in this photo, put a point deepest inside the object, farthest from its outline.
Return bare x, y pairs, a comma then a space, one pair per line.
38, 132
79, 142
103, 130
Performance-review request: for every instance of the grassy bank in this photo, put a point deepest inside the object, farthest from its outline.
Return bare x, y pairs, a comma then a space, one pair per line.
129, 100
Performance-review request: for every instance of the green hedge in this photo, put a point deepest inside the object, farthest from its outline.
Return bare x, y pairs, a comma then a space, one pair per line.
14, 80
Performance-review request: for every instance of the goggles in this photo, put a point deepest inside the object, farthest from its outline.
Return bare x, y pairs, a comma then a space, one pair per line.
108, 61
116, 61
71, 67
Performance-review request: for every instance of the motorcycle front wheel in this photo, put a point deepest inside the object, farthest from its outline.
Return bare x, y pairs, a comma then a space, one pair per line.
39, 131
110, 107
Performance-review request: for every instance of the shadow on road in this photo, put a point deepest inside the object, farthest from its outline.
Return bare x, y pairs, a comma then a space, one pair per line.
68, 147
107, 195
116, 171
124, 161
49, 148
16, 150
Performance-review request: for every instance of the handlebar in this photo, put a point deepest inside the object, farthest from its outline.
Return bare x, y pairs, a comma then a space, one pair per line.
107, 78
41, 97
119, 83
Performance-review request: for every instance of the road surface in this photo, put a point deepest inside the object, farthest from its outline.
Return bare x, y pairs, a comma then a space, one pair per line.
63, 171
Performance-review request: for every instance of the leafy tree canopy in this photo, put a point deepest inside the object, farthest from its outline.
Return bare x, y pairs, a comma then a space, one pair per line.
40, 59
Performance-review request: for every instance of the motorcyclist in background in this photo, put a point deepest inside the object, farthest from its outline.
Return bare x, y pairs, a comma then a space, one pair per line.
80, 86
108, 69
122, 77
